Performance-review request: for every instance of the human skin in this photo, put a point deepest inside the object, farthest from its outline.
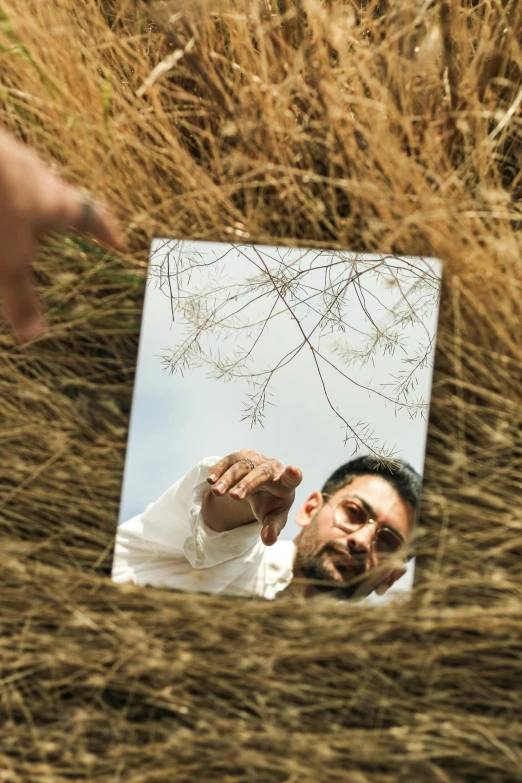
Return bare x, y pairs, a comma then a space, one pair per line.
241, 495
34, 201
344, 555
325, 550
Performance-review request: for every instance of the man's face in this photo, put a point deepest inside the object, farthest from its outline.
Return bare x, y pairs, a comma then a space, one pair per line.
354, 562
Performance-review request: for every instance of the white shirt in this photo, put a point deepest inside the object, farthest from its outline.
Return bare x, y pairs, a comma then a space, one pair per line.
169, 545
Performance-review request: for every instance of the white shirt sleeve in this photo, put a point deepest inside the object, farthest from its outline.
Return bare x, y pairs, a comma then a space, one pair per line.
172, 532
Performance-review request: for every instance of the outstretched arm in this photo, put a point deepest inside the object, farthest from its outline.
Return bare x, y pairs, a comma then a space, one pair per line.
249, 487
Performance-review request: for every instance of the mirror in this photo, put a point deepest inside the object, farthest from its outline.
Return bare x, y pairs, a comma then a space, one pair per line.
279, 422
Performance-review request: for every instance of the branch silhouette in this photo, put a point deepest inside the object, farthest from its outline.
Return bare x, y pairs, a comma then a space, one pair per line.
347, 312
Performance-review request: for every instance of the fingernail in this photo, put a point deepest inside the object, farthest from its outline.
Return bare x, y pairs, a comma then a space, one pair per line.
220, 487
212, 477
239, 491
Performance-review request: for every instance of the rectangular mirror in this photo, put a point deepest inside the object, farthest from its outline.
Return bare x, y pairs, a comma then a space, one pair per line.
279, 422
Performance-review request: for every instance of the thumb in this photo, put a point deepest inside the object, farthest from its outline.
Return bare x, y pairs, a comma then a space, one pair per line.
19, 295
272, 526
275, 520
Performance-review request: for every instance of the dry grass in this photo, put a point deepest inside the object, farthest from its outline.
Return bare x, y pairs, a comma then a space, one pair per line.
390, 126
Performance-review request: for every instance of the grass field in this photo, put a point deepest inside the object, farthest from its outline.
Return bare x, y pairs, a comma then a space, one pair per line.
389, 126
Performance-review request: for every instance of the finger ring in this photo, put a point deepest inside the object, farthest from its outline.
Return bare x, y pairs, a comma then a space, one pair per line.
249, 463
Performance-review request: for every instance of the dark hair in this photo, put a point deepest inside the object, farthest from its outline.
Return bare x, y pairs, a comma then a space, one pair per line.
403, 478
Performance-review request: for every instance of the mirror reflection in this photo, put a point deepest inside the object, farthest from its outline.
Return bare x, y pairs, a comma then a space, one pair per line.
279, 421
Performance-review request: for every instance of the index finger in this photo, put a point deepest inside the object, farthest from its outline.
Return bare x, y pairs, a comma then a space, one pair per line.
75, 210
222, 466
291, 477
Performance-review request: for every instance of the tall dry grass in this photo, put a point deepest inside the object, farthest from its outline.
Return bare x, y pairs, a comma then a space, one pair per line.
367, 125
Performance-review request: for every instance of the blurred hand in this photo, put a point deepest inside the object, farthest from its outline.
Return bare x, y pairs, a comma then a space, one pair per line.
264, 483
33, 202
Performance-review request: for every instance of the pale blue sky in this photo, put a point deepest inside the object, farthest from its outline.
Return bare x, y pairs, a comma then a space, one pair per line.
176, 421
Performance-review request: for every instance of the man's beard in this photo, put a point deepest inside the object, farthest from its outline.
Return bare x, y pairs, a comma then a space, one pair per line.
314, 569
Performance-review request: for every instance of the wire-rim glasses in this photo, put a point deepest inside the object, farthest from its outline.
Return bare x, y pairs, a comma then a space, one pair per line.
350, 516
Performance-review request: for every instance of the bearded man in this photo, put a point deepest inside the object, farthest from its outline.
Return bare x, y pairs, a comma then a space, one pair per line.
217, 530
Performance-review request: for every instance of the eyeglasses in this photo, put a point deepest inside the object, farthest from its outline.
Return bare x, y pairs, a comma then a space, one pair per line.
350, 517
